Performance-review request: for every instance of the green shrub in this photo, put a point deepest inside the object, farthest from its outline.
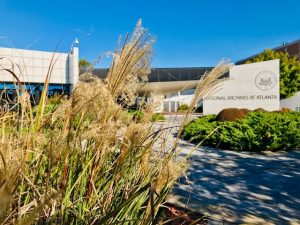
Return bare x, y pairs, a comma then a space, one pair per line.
56, 99
138, 115
198, 129
183, 107
157, 117
258, 131
48, 108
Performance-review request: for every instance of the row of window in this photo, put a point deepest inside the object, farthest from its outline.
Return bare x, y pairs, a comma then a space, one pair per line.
10, 87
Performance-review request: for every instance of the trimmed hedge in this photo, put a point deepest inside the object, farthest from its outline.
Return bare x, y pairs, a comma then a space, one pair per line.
258, 131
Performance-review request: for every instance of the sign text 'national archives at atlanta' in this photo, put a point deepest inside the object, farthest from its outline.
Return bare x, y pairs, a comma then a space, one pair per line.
241, 97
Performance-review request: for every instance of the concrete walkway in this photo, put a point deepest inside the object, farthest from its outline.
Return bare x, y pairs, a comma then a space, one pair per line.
240, 188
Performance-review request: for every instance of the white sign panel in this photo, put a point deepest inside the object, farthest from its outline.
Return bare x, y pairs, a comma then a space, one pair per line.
250, 86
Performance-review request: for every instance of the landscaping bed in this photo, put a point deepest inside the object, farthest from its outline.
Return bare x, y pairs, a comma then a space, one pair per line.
172, 214
254, 131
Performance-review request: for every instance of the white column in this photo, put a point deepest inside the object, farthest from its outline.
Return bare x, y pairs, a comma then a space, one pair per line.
73, 67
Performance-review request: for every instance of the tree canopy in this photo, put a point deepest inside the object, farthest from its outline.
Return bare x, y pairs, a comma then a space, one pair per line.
289, 71
84, 64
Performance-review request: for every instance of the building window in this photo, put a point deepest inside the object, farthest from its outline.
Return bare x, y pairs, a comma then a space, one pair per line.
297, 109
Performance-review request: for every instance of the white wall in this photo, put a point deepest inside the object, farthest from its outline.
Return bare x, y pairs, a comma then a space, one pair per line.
292, 103
172, 101
33, 66
250, 86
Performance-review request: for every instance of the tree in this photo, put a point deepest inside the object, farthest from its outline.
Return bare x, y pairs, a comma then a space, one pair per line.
84, 64
289, 71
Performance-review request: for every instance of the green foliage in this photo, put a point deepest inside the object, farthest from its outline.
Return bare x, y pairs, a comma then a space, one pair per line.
48, 108
56, 99
289, 71
139, 115
157, 117
259, 131
84, 64
136, 115
198, 129
183, 107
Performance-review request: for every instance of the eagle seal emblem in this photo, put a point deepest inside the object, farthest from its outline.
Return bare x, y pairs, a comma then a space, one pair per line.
265, 80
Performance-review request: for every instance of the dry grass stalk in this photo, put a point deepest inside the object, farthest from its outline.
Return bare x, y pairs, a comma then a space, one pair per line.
131, 63
208, 84
81, 163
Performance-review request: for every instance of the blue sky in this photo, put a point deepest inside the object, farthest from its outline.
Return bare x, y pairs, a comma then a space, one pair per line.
189, 32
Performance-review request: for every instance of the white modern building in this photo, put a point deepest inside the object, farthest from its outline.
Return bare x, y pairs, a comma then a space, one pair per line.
250, 86
32, 68
292, 103
171, 86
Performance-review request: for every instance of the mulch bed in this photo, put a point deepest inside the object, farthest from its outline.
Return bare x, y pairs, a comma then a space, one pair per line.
175, 215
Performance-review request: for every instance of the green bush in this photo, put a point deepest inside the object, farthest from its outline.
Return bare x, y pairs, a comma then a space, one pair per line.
138, 115
198, 129
157, 117
258, 131
183, 107
48, 108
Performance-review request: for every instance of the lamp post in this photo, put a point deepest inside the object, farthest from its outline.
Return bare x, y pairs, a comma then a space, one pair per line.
74, 43
285, 46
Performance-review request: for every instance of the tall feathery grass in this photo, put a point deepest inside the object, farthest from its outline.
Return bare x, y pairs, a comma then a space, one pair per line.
82, 162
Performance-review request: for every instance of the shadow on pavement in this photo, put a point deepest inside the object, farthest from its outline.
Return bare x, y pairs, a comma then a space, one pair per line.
242, 187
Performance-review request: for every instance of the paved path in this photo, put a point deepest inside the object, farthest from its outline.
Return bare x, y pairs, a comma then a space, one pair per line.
241, 187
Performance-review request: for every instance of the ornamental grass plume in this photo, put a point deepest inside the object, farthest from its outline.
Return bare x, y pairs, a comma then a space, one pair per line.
131, 63
208, 84
80, 163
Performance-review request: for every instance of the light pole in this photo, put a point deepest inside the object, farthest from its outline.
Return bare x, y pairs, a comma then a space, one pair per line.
74, 43
285, 46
